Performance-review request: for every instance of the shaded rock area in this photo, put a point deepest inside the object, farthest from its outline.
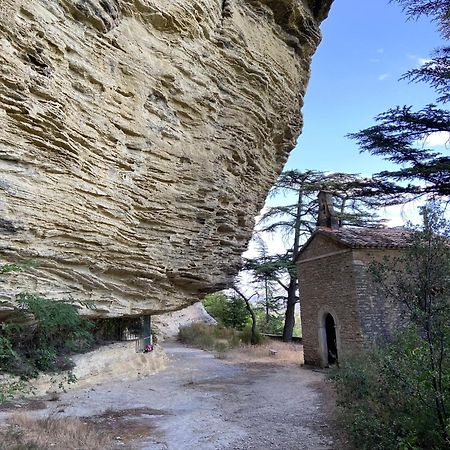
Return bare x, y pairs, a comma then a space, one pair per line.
138, 139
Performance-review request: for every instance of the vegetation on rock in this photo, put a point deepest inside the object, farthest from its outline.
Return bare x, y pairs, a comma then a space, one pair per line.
40, 337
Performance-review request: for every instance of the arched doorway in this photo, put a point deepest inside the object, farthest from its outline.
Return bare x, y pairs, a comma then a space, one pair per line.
330, 331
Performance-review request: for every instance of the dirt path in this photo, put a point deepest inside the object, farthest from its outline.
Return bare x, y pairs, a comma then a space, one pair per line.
204, 403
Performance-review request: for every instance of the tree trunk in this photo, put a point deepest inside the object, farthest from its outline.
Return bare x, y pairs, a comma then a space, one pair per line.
289, 318
253, 339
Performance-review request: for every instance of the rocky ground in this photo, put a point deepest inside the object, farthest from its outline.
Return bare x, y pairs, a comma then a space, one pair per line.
203, 402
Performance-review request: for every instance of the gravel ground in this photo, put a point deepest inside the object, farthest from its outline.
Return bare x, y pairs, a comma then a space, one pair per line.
204, 403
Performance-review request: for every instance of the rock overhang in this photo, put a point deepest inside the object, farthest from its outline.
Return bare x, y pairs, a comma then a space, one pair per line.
138, 139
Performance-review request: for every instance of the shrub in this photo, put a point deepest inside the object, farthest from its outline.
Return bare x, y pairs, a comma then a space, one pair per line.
398, 396
228, 311
210, 337
26, 433
217, 337
43, 343
246, 336
386, 400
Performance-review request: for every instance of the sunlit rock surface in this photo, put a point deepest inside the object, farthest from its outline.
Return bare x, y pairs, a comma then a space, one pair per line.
138, 139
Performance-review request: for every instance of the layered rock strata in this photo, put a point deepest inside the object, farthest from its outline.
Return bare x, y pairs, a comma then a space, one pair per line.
138, 139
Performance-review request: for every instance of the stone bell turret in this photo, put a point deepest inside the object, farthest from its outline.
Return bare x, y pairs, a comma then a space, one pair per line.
327, 217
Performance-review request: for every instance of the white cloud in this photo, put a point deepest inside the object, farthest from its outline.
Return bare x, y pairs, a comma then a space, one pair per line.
384, 76
423, 61
399, 215
374, 60
418, 60
380, 51
437, 139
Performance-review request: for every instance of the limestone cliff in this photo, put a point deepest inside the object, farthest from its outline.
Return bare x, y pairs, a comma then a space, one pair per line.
138, 139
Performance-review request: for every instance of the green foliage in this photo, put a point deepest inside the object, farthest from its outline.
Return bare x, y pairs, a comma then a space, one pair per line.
400, 133
210, 337
228, 311
246, 336
58, 324
386, 397
354, 201
215, 305
236, 313
40, 339
273, 326
53, 330
435, 73
437, 10
398, 396
399, 137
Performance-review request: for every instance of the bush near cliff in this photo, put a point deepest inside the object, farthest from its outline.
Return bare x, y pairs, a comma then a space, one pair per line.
43, 343
216, 337
39, 339
232, 312
229, 312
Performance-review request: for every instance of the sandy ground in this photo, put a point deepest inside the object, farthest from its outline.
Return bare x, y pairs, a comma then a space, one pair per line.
202, 402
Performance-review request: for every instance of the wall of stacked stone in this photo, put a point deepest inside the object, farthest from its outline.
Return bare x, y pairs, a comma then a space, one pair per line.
327, 285
380, 317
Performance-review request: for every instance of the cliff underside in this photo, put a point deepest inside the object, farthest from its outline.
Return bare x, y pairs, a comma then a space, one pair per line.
139, 138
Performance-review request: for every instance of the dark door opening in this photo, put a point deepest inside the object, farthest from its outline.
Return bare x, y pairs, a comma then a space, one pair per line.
330, 329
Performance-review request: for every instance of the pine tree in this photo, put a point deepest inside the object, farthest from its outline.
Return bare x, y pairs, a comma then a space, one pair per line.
401, 133
354, 202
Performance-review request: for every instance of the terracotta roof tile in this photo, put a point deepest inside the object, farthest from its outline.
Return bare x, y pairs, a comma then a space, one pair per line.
368, 237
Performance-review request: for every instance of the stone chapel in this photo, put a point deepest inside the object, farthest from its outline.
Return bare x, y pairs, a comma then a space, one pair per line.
342, 311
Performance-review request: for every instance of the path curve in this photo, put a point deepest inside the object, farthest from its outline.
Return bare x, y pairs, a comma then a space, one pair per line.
204, 403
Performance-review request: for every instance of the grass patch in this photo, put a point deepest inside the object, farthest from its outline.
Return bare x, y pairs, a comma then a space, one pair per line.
270, 352
26, 433
214, 337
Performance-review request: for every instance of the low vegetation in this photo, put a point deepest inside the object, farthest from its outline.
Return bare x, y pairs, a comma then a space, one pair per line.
39, 338
269, 352
215, 337
24, 432
397, 396
51, 331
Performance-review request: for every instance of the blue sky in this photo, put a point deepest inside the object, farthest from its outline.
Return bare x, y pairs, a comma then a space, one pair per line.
366, 47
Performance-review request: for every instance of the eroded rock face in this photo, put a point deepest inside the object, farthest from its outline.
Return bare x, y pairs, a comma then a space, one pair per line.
138, 139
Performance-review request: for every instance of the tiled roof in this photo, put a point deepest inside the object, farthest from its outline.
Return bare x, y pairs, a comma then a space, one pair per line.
368, 237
